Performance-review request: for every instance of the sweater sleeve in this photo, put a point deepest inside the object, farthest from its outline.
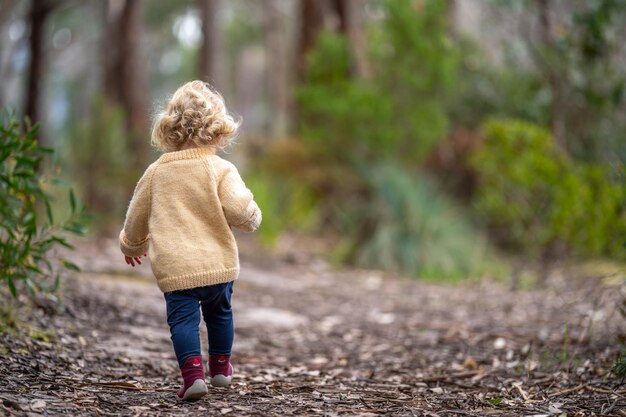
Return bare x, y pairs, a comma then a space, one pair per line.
135, 234
238, 203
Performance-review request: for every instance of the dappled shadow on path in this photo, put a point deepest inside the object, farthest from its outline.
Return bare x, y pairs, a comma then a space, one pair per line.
310, 340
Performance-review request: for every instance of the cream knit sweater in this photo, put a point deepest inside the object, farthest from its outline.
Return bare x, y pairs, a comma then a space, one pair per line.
181, 214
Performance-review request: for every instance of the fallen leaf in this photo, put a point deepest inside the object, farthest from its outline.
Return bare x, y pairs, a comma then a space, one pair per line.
499, 343
37, 405
470, 363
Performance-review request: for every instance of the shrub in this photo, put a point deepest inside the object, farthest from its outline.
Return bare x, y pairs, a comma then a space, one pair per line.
387, 218
285, 204
619, 368
532, 196
27, 228
342, 117
519, 170
488, 90
352, 129
400, 111
590, 211
406, 225
417, 64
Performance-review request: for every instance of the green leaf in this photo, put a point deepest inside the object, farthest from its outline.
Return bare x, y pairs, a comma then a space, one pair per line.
61, 242
57, 283
619, 368
12, 286
24, 173
34, 269
25, 241
32, 132
76, 228
72, 201
49, 212
31, 286
70, 265
48, 265
495, 401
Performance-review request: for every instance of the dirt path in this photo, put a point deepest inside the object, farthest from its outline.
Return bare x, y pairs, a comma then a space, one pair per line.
310, 341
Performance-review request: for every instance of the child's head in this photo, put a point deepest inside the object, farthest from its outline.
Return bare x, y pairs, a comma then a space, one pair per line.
195, 116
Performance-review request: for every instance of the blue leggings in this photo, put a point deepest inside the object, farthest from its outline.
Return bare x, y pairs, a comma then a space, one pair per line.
183, 317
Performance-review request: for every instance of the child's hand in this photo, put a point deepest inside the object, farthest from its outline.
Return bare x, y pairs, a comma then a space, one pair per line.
131, 261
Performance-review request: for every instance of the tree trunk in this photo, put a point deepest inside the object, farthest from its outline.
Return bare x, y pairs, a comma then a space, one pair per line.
39, 13
6, 6
7, 49
452, 17
125, 76
111, 51
557, 120
211, 42
277, 68
311, 23
342, 11
133, 76
354, 28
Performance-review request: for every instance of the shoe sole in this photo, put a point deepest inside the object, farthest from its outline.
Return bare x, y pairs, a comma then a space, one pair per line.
221, 381
196, 391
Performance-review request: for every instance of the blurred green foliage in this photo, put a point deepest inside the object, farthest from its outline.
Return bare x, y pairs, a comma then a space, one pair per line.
519, 171
400, 111
157, 12
619, 369
533, 196
591, 80
365, 138
405, 224
486, 90
364, 141
101, 163
342, 117
361, 164
417, 64
291, 205
27, 228
577, 78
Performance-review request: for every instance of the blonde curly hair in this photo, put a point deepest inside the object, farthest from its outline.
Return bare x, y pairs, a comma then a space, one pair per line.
195, 115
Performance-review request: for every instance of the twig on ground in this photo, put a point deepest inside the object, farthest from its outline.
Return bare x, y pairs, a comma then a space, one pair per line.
521, 391
568, 391
459, 375
605, 391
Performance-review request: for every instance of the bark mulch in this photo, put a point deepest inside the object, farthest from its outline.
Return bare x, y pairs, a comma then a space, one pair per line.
313, 341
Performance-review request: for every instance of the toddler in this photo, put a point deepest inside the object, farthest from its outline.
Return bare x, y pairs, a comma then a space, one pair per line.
181, 216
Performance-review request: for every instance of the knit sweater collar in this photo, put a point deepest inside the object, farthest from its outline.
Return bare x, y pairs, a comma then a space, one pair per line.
193, 153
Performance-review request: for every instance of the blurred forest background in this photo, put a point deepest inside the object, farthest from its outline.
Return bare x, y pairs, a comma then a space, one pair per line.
441, 139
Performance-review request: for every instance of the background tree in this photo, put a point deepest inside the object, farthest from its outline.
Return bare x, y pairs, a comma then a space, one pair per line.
392, 81
39, 12
279, 74
355, 21
211, 45
550, 72
311, 17
125, 76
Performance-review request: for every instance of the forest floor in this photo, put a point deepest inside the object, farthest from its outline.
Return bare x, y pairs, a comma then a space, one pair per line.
311, 340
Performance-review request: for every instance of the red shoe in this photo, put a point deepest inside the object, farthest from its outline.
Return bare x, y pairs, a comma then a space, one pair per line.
194, 386
220, 370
